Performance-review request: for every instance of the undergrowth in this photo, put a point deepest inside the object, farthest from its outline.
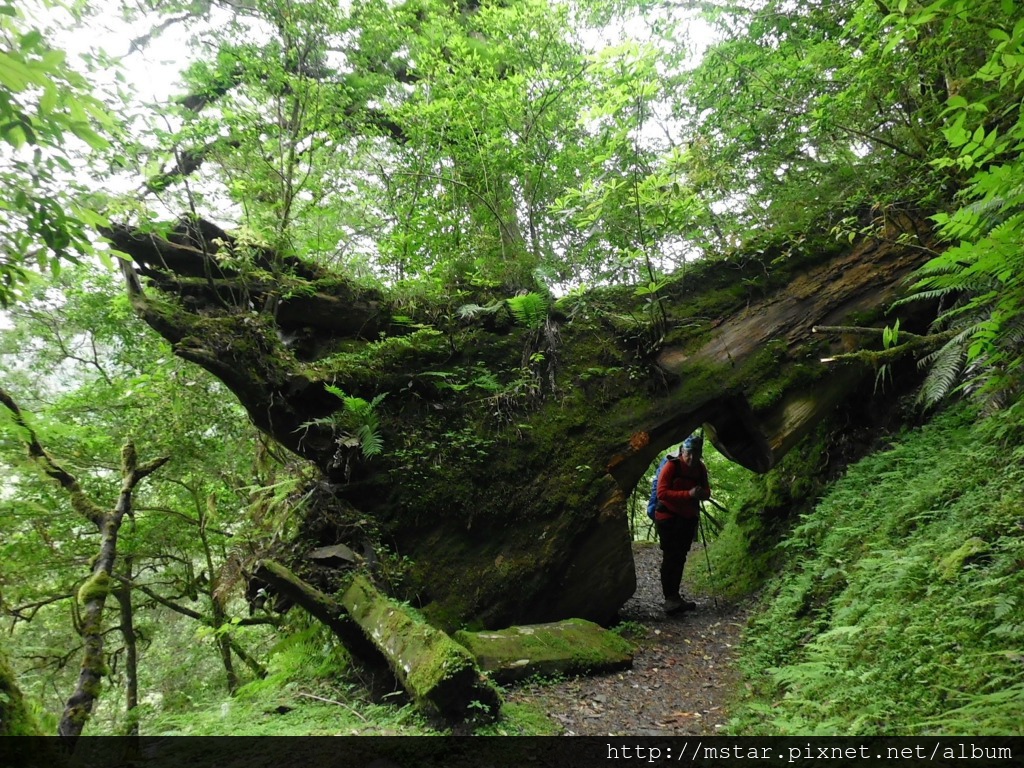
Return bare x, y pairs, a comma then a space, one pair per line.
312, 689
898, 611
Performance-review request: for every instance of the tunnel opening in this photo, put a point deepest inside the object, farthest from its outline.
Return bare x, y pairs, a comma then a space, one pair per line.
730, 447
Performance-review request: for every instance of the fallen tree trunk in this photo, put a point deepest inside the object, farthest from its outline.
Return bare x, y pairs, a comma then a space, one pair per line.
320, 606
504, 450
440, 675
570, 647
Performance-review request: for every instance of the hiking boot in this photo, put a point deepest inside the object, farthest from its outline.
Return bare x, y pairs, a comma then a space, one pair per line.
678, 604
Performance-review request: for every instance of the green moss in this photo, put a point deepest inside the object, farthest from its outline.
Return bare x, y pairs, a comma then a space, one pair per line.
447, 661
951, 565
96, 587
522, 719
573, 646
16, 719
440, 674
86, 507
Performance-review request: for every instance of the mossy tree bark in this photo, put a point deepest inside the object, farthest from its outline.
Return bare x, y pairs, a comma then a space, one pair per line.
512, 444
92, 595
15, 717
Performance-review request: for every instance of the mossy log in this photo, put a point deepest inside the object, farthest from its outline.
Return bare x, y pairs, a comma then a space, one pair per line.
440, 675
322, 607
510, 451
570, 647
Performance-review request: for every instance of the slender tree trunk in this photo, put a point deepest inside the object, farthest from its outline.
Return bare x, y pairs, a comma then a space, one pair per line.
219, 615
131, 672
93, 598
257, 669
224, 646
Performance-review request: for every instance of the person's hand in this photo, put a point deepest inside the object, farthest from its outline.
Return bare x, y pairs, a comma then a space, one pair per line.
695, 492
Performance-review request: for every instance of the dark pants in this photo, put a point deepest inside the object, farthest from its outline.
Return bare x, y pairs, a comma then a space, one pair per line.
675, 535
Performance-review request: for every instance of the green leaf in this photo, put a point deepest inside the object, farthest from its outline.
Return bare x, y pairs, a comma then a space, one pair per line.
89, 136
30, 39
14, 75
48, 101
895, 38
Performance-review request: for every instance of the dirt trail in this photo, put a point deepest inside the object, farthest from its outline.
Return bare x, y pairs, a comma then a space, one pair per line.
683, 676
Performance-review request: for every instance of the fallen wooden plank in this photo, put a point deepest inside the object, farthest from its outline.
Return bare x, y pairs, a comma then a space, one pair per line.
570, 647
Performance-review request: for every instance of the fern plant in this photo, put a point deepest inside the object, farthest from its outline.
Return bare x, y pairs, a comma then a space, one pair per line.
980, 278
529, 309
984, 357
356, 424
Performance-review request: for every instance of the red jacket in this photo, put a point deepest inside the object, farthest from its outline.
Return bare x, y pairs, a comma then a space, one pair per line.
675, 485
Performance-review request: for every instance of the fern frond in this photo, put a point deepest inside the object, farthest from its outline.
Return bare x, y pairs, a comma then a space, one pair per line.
370, 441
925, 295
324, 421
947, 363
530, 309
338, 392
939, 267
357, 406
473, 311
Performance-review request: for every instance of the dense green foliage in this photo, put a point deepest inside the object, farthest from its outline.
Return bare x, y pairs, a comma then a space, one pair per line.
44, 106
897, 610
80, 360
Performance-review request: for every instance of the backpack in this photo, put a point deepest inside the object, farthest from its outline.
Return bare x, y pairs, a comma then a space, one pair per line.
652, 503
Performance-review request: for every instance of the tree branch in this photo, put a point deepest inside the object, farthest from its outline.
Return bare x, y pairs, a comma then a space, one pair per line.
34, 608
79, 501
876, 358
249, 621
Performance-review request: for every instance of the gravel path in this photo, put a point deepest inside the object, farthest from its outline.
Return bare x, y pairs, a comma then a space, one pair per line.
683, 676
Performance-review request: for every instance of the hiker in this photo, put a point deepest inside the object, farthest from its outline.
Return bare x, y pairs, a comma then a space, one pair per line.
682, 484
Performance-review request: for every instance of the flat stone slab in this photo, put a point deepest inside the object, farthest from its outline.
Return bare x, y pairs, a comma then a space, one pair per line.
570, 647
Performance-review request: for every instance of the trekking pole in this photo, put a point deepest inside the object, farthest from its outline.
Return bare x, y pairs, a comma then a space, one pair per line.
707, 557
